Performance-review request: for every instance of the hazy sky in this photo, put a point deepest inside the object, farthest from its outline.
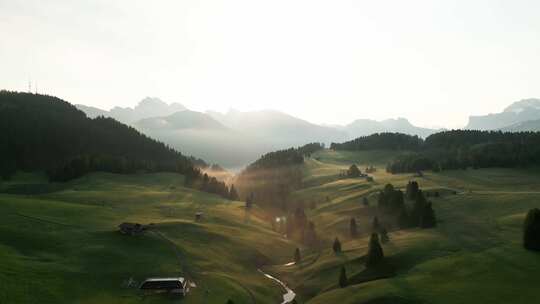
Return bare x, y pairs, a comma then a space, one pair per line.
434, 62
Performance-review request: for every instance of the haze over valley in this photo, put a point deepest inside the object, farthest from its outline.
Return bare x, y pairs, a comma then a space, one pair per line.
234, 139
286, 152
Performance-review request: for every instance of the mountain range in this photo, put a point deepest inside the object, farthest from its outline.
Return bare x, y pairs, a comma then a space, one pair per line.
234, 139
519, 116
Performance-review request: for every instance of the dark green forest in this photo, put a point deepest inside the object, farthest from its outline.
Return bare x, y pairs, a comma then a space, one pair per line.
456, 149
45, 133
271, 178
381, 141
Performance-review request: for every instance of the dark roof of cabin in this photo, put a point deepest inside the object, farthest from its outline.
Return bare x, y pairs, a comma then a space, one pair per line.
163, 283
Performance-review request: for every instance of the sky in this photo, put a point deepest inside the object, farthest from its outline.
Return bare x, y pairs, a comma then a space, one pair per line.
433, 62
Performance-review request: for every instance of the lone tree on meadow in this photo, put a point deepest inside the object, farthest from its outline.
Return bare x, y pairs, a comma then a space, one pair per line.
353, 171
250, 200
384, 235
233, 194
297, 257
412, 190
342, 277
403, 219
376, 226
336, 246
427, 219
353, 228
375, 252
531, 230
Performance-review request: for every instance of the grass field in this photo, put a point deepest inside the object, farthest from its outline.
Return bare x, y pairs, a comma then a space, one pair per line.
59, 244
474, 255
63, 246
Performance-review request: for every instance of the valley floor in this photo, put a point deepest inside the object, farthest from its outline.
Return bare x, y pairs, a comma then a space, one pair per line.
61, 244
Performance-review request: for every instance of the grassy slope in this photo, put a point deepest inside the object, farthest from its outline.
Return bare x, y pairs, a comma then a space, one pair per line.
473, 256
63, 247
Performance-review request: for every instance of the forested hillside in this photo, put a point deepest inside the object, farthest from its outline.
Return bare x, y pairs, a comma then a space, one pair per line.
271, 178
456, 149
381, 141
45, 133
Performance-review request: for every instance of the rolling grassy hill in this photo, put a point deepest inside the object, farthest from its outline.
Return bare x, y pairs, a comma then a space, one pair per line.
63, 246
470, 257
61, 243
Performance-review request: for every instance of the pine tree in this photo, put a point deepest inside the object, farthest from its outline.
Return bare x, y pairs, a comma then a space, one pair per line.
531, 230
342, 277
249, 200
297, 256
375, 252
233, 194
376, 225
403, 219
384, 235
311, 235
412, 190
353, 229
289, 227
353, 171
418, 208
229, 301
336, 246
427, 219
365, 201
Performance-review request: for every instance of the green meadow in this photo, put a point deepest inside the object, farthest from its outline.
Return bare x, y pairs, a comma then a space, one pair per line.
64, 246
474, 255
60, 242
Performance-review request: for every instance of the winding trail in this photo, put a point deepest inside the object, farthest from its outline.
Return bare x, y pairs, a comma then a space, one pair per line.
289, 294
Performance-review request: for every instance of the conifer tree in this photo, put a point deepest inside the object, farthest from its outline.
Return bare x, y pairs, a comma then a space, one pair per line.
342, 277
233, 194
376, 225
365, 201
384, 235
336, 246
250, 200
412, 190
427, 219
353, 228
375, 252
297, 256
403, 219
531, 230
418, 208
353, 171
310, 235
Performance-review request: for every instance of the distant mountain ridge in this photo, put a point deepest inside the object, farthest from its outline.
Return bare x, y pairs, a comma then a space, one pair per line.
518, 112
147, 108
185, 119
280, 129
365, 127
235, 138
529, 125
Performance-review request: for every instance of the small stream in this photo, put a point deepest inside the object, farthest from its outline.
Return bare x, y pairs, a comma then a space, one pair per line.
289, 294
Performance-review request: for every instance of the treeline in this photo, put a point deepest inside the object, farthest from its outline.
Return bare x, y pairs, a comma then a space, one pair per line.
456, 149
270, 179
287, 157
391, 202
381, 141
45, 133
462, 149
